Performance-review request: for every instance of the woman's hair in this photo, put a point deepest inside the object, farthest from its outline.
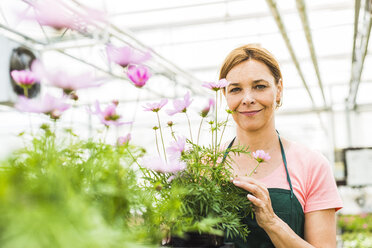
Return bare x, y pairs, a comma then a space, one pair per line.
248, 52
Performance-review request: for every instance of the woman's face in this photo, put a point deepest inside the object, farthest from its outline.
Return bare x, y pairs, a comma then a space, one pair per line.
252, 94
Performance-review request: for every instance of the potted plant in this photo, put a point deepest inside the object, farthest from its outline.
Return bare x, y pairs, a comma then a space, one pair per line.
193, 182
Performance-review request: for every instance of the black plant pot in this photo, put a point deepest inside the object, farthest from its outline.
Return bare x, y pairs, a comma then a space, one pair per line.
196, 240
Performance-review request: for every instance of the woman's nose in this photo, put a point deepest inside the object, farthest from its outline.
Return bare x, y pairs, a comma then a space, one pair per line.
248, 98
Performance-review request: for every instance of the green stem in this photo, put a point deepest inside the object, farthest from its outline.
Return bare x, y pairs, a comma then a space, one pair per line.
212, 135
25, 91
106, 131
157, 144
254, 169
161, 135
55, 133
172, 133
135, 161
201, 122
216, 128
188, 120
223, 130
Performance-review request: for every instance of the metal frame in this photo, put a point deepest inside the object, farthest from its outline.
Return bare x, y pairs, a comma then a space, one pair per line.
362, 30
168, 25
278, 19
305, 24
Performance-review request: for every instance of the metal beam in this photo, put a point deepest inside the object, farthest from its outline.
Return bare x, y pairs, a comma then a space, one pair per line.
362, 30
224, 38
305, 24
143, 11
275, 12
278, 19
215, 67
223, 19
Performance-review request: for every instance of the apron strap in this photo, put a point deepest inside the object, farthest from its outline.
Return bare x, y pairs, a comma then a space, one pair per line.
227, 150
285, 164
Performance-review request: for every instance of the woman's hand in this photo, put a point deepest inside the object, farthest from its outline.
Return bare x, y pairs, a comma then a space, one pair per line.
260, 198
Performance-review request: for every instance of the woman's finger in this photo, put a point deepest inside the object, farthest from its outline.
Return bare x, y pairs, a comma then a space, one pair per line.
255, 201
256, 190
254, 181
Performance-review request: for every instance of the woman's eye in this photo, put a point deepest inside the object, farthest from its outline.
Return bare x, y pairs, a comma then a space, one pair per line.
260, 86
235, 89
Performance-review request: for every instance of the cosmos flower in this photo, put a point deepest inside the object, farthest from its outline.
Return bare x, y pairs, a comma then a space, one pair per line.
138, 75
180, 106
126, 55
177, 147
207, 108
155, 107
261, 156
123, 140
48, 105
159, 165
108, 116
216, 86
24, 78
65, 81
58, 15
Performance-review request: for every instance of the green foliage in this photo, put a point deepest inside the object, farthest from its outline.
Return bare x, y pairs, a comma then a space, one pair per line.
73, 194
201, 197
357, 230
355, 223
357, 239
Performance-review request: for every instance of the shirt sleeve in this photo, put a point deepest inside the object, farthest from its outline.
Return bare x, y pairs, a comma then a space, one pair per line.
321, 187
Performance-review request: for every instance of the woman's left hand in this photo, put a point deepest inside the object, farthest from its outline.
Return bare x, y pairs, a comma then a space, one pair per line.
260, 198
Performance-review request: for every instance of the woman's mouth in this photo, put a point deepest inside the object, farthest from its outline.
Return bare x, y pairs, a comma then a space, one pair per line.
250, 113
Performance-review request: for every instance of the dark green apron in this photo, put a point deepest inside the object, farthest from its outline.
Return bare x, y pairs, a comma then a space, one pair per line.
285, 205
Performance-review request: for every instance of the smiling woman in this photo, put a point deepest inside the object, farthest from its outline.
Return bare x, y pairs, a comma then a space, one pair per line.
252, 94
294, 194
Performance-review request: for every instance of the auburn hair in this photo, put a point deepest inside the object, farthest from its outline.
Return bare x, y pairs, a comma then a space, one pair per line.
251, 52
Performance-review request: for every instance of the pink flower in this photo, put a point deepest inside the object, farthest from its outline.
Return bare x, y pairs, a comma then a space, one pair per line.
177, 147
216, 86
123, 140
206, 109
261, 156
155, 107
159, 165
58, 15
365, 226
138, 75
61, 79
126, 55
48, 105
180, 106
108, 116
24, 78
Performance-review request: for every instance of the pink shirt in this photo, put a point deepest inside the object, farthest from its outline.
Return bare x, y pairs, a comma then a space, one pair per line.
311, 176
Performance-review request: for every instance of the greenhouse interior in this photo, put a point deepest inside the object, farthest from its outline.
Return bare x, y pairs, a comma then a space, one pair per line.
116, 119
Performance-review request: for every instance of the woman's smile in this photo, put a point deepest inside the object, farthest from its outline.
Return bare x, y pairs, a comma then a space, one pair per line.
250, 112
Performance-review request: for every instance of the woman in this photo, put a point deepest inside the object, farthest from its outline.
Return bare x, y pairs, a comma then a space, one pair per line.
294, 194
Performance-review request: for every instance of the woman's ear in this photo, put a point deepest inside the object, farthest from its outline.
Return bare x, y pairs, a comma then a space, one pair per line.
279, 92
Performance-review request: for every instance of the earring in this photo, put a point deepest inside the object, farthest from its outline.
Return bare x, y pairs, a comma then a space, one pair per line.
279, 104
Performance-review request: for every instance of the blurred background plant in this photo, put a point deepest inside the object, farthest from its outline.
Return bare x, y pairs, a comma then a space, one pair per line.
356, 230
55, 193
